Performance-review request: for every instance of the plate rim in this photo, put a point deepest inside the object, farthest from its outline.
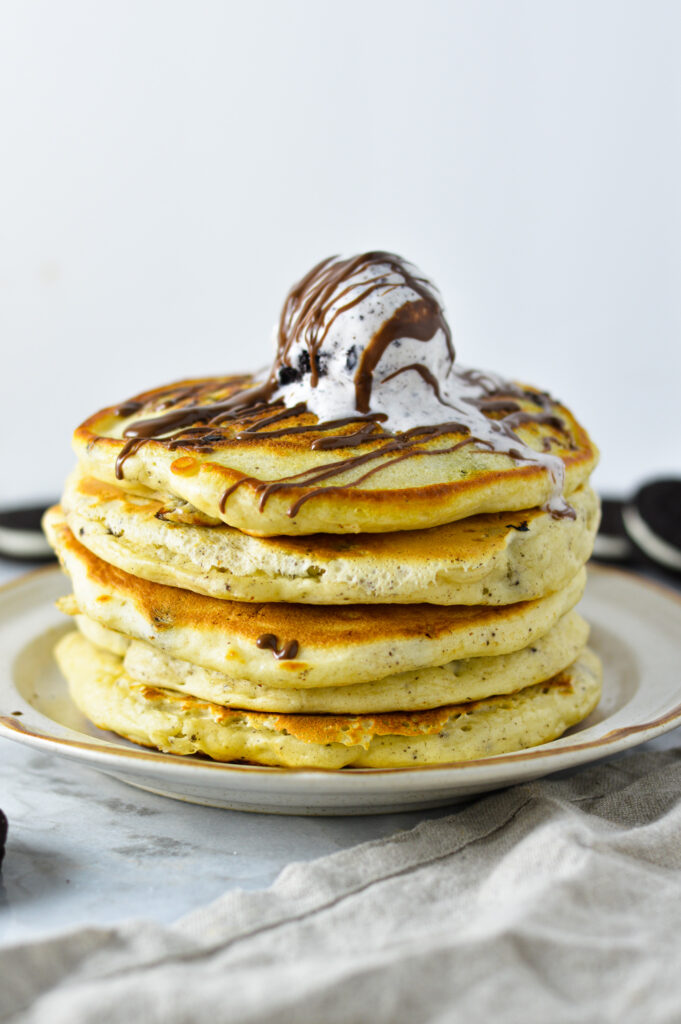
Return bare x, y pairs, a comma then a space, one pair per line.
103, 753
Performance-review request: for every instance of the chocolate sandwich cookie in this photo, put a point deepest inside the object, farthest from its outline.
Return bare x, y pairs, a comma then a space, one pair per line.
21, 536
612, 543
652, 521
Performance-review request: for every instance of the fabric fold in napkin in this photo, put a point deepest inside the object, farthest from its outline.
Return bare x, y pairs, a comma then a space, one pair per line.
558, 900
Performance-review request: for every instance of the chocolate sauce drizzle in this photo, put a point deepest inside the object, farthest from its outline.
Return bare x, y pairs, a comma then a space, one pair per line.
269, 642
310, 309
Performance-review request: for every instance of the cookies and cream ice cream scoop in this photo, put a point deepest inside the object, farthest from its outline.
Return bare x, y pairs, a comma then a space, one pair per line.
364, 335
367, 336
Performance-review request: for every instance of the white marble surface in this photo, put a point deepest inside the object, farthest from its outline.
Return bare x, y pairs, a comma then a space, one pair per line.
85, 848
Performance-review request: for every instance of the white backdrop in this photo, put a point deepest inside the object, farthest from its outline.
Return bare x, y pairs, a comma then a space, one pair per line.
167, 169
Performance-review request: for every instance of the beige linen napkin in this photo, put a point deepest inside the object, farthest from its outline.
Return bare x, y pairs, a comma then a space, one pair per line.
555, 901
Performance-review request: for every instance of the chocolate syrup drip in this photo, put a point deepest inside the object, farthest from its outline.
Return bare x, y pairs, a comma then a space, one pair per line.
182, 423
285, 414
128, 408
292, 512
128, 449
401, 446
425, 375
516, 419
172, 395
269, 642
508, 390
497, 405
189, 415
315, 428
309, 311
367, 432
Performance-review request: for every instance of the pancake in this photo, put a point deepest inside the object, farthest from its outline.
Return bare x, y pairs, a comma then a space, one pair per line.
270, 471
498, 558
454, 683
101, 636
316, 645
185, 725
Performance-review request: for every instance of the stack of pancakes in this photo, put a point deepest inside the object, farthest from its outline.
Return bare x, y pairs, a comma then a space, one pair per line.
254, 583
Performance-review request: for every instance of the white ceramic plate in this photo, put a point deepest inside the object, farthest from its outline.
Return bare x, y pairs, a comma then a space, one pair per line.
636, 629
